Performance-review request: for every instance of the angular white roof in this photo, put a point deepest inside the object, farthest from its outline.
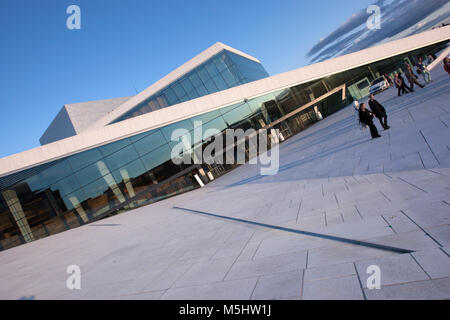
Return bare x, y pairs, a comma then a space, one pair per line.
103, 135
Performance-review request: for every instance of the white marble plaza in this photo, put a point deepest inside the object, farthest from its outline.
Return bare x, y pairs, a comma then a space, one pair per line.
333, 180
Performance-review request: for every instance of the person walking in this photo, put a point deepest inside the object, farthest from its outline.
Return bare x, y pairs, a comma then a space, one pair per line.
379, 111
388, 79
366, 117
401, 85
423, 70
412, 78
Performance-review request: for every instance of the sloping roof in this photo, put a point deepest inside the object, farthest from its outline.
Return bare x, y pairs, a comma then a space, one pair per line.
84, 114
100, 136
74, 118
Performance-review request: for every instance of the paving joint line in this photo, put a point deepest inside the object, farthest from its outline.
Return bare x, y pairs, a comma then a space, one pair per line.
359, 280
414, 258
429, 147
445, 252
423, 230
413, 185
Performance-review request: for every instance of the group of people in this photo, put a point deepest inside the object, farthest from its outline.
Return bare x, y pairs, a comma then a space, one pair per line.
366, 116
400, 82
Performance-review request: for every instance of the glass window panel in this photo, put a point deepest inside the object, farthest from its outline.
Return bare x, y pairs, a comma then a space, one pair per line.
149, 143
57, 172
229, 108
162, 101
206, 117
84, 159
66, 185
195, 79
89, 174
96, 188
220, 83
210, 86
153, 104
170, 96
107, 149
203, 74
237, 75
219, 61
210, 66
201, 90
193, 94
179, 91
142, 135
217, 124
187, 85
77, 197
229, 78
256, 104
121, 157
184, 98
237, 114
129, 171
34, 183
167, 130
157, 157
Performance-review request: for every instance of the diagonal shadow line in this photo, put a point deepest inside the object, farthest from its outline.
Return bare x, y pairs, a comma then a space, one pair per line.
307, 233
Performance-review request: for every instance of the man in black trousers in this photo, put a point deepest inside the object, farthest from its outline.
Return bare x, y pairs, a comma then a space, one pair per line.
379, 111
366, 117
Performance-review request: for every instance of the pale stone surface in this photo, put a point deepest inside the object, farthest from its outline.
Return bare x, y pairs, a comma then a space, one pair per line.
422, 290
330, 272
279, 286
333, 180
227, 290
346, 288
263, 266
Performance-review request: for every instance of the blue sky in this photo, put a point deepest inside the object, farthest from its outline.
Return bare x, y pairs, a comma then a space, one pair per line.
123, 44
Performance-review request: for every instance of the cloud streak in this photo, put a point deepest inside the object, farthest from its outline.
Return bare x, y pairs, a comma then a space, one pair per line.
399, 18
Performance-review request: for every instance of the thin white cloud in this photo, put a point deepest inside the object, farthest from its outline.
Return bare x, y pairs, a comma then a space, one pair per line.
397, 16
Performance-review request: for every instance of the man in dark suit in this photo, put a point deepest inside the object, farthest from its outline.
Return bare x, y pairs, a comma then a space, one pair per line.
379, 111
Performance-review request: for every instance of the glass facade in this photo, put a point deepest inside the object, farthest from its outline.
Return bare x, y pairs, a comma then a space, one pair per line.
222, 71
138, 170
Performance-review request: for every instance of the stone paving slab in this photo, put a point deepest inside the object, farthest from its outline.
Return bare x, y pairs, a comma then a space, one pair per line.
279, 286
346, 288
241, 289
394, 270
